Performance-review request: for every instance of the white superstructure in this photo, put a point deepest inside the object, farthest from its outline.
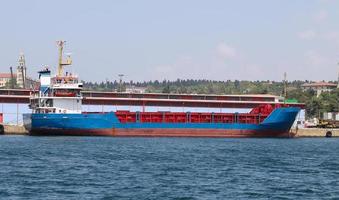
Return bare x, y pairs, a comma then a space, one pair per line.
58, 94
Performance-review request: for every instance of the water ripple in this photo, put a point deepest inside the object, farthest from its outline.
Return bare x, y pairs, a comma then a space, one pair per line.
167, 168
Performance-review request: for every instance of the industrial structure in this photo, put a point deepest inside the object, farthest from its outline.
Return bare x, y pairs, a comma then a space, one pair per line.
156, 99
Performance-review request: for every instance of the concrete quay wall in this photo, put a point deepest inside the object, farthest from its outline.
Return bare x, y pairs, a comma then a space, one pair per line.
316, 132
15, 130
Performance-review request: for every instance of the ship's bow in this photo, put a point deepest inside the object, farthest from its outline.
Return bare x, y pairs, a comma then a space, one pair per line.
280, 121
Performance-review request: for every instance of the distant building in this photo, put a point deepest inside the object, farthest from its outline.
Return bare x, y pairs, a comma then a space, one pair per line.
22, 81
5, 79
21, 72
134, 89
319, 87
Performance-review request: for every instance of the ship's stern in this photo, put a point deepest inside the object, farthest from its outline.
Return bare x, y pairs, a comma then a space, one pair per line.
27, 119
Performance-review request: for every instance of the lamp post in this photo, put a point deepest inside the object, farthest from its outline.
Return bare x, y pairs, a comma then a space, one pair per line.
338, 89
120, 82
285, 87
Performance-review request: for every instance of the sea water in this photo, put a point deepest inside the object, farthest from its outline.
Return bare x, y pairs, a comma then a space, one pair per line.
168, 168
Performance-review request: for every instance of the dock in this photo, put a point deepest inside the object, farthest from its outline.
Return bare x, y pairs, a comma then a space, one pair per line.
15, 130
316, 132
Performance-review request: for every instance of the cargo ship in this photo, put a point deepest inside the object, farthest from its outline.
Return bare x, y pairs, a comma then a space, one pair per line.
57, 110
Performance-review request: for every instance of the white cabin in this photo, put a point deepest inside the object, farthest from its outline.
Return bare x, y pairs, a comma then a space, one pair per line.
60, 94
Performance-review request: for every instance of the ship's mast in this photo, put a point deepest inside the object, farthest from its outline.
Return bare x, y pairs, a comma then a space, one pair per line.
61, 62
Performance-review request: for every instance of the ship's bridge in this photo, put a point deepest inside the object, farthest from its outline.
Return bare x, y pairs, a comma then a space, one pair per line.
66, 82
68, 79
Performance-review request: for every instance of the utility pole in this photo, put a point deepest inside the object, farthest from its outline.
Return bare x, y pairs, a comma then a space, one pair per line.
12, 78
338, 87
285, 87
120, 82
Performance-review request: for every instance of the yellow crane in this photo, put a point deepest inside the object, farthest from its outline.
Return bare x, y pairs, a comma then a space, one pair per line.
62, 63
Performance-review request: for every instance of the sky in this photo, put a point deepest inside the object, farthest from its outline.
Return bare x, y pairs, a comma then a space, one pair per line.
186, 39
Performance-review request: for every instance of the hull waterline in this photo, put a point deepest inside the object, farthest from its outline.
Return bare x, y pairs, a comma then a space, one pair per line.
214, 133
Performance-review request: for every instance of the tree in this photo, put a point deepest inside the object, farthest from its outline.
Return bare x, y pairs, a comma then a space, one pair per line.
313, 107
11, 83
166, 89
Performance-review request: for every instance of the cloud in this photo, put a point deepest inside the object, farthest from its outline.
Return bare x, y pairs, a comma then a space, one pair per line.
320, 16
314, 58
226, 51
332, 36
319, 65
183, 67
307, 34
326, 1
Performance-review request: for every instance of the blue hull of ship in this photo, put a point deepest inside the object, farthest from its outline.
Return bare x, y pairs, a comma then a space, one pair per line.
277, 123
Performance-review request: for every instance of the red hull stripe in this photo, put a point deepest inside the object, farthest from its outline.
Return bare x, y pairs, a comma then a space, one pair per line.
232, 133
